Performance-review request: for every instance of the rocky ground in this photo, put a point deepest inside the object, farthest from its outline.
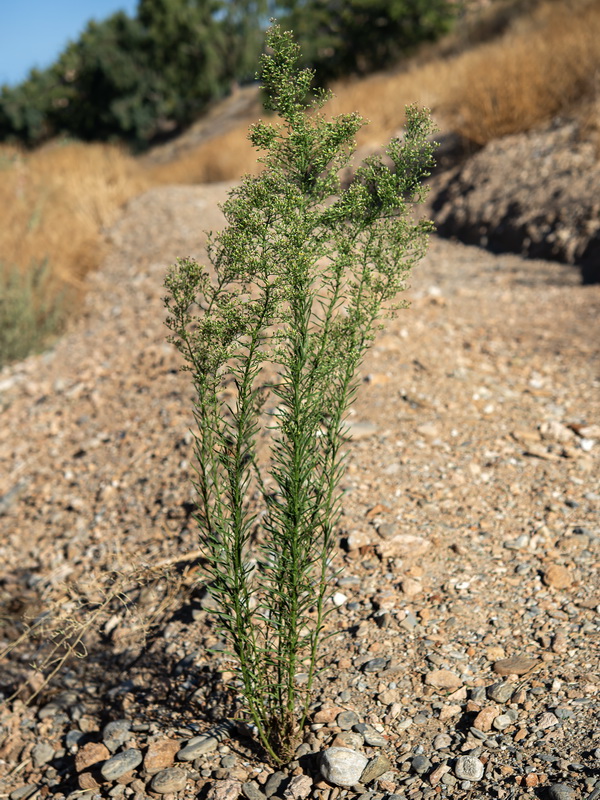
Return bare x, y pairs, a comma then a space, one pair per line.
533, 193
464, 661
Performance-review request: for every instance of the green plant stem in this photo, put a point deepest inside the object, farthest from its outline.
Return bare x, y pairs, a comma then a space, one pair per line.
303, 271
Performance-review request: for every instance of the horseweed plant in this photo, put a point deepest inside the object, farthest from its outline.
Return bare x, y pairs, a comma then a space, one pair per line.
301, 273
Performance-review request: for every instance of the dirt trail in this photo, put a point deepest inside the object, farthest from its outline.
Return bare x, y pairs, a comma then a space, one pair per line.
477, 433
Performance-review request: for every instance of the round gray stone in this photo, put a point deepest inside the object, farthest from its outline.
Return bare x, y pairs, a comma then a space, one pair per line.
341, 766
346, 720
420, 765
561, 791
116, 733
41, 754
169, 781
118, 765
468, 768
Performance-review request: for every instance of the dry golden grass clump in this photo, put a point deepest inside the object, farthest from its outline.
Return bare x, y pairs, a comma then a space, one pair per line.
220, 158
55, 202
545, 64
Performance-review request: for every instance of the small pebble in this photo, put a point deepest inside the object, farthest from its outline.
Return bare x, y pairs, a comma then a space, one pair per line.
273, 783
442, 741
468, 768
500, 692
515, 665
420, 765
116, 733
561, 791
346, 720
477, 695
372, 737
72, 739
299, 788
118, 765
375, 665
341, 766
198, 746
90, 754
375, 768
169, 781
251, 791
504, 721
547, 720
41, 754
349, 739
23, 792
443, 679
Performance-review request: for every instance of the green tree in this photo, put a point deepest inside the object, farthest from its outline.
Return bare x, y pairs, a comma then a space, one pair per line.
125, 78
342, 37
185, 44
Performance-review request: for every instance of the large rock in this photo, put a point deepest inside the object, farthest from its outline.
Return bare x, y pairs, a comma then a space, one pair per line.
533, 193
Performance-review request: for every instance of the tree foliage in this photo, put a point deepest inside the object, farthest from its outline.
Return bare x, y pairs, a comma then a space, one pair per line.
343, 37
137, 79
133, 79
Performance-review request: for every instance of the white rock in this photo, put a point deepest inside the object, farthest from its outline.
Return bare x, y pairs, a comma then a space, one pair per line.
339, 598
358, 539
342, 766
468, 768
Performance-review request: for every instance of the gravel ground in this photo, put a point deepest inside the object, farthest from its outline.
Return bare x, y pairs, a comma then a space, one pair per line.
464, 660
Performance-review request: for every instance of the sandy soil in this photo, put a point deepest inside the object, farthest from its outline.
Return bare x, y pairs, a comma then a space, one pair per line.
470, 535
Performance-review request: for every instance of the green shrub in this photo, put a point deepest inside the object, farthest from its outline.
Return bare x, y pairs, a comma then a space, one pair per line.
30, 315
301, 274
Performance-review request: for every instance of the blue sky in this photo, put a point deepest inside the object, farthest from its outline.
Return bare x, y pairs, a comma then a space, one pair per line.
34, 32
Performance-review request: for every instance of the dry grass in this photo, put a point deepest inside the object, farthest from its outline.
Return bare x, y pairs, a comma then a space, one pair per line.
221, 158
56, 200
55, 203
546, 64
